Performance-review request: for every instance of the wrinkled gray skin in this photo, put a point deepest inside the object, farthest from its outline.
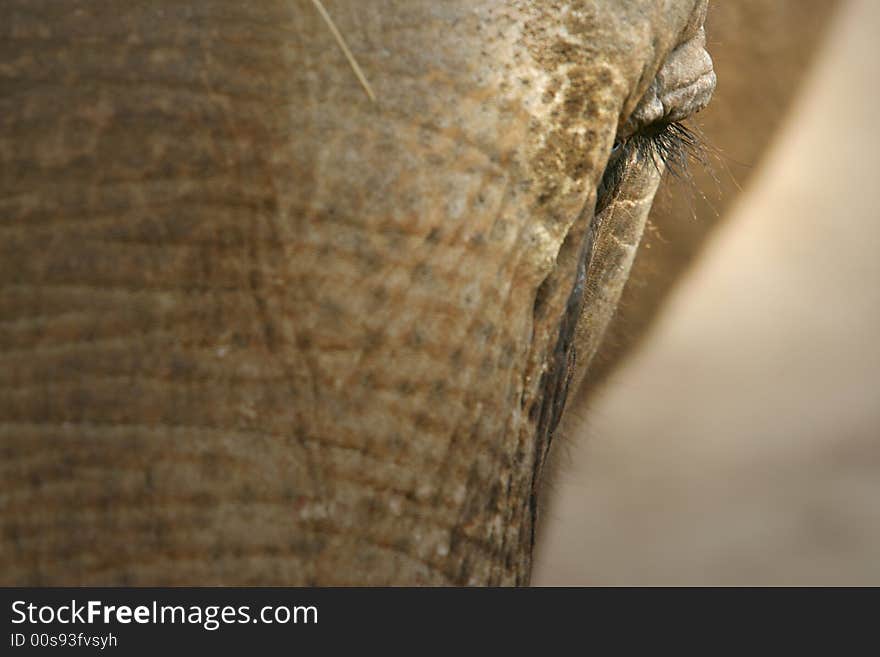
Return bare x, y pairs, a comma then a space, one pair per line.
257, 328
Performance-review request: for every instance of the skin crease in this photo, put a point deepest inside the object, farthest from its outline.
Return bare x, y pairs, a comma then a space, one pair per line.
258, 329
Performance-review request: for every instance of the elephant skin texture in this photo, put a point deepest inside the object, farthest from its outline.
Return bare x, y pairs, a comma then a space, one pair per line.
259, 326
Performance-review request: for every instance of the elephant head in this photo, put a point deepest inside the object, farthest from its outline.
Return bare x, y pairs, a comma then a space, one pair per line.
293, 292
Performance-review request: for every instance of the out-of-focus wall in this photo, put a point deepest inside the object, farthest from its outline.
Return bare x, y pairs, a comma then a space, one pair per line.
741, 445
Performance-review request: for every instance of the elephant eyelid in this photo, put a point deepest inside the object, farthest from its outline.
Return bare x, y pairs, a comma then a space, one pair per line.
672, 146
667, 147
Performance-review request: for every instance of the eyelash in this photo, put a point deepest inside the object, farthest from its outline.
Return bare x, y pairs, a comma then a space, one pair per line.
671, 146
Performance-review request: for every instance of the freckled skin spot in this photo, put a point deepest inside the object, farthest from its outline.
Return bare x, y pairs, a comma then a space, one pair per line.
551, 90
582, 87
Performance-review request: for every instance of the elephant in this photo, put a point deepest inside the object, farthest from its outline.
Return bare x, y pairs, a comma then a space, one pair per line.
294, 292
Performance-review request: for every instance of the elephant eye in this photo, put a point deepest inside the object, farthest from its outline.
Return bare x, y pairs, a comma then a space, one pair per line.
670, 146
665, 146
653, 132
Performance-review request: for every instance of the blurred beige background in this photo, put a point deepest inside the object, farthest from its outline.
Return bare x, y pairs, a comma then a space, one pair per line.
741, 444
